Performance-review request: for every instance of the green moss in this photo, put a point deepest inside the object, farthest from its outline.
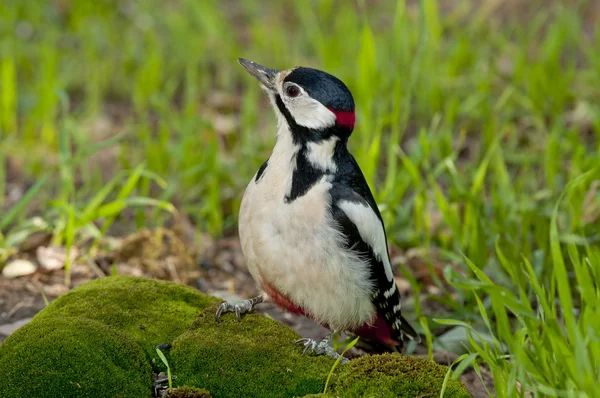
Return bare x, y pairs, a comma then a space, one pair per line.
99, 340
188, 392
253, 358
393, 375
150, 311
90, 326
72, 357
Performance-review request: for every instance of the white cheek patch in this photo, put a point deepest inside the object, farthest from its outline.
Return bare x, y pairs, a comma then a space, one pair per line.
371, 231
310, 113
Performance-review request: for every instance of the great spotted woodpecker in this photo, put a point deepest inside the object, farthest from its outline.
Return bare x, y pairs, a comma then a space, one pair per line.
310, 230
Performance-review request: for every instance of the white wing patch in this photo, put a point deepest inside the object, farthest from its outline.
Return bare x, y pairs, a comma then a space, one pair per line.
371, 231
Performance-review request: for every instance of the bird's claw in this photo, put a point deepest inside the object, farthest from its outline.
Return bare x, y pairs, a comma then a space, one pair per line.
319, 348
309, 344
241, 307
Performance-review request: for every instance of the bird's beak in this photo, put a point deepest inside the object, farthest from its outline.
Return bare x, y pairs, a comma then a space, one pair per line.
264, 75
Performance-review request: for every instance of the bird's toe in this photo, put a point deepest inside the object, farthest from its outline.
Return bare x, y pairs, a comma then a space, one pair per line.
303, 340
239, 308
222, 309
319, 348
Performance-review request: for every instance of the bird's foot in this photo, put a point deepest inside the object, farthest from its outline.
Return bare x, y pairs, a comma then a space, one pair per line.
241, 307
320, 348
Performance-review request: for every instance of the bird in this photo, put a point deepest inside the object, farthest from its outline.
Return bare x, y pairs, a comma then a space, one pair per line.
310, 230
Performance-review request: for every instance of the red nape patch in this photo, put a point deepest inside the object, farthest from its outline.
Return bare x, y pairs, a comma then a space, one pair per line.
344, 118
378, 331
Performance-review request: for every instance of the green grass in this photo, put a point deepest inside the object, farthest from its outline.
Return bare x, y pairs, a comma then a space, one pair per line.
495, 117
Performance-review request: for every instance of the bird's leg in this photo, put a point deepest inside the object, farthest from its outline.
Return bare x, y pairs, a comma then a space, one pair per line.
321, 348
241, 307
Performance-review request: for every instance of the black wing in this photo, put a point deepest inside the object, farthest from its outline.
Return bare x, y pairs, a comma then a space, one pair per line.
356, 212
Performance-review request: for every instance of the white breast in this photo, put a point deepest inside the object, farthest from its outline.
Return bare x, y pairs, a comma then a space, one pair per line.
295, 247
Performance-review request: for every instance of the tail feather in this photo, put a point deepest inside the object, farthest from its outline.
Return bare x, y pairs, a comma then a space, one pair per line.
407, 331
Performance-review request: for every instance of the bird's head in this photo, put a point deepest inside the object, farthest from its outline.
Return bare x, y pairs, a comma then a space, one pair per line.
314, 104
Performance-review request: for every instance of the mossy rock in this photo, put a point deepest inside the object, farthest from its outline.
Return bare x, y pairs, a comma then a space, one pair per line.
188, 392
393, 375
150, 311
72, 357
253, 358
100, 340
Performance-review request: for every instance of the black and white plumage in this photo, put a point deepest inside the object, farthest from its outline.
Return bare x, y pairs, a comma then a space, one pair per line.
311, 232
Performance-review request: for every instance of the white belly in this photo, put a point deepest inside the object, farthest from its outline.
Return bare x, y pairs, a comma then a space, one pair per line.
295, 248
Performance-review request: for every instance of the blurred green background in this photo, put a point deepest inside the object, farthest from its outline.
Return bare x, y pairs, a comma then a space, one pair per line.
472, 119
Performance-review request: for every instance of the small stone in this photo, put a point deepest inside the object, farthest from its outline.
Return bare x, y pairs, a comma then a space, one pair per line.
17, 268
55, 257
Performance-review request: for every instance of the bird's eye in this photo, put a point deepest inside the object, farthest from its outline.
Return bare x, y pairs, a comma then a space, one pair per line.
292, 91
